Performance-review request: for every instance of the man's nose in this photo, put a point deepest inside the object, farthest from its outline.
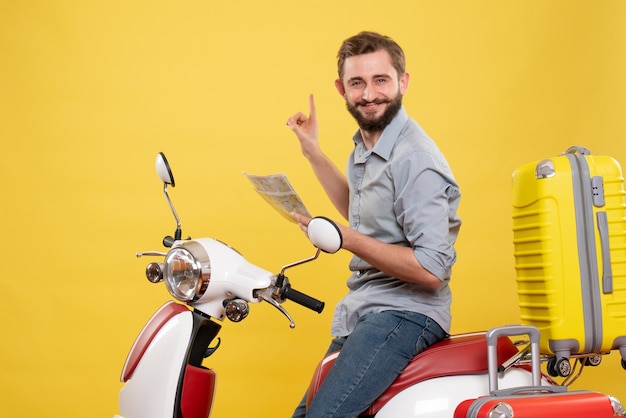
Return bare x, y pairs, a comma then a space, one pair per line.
368, 94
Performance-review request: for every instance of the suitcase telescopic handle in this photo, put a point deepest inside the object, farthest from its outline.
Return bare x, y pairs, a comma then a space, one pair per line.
577, 149
492, 352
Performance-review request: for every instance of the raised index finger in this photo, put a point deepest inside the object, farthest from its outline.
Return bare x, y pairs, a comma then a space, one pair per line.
312, 107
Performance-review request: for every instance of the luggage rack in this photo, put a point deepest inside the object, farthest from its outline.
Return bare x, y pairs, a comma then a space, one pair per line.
555, 368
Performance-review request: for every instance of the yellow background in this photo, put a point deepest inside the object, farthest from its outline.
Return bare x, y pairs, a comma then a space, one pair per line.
91, 91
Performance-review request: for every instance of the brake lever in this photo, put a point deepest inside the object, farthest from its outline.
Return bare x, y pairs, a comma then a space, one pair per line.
266, 295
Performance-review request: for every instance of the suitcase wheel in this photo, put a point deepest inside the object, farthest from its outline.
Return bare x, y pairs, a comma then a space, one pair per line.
593, 360
559, 367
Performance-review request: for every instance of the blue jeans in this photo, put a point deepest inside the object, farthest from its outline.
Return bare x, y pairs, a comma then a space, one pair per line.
371, 358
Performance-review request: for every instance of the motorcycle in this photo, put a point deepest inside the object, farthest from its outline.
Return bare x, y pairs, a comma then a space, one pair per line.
164, 376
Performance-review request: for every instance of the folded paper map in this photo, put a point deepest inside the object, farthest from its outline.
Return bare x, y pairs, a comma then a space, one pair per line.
278, 192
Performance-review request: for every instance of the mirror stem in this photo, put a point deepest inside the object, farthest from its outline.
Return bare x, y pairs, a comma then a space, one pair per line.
297, 263
178, 233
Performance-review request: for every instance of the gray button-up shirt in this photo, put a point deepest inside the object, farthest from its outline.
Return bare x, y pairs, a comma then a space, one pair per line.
401, 192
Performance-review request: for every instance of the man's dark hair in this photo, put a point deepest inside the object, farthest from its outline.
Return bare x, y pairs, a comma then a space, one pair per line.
368, 42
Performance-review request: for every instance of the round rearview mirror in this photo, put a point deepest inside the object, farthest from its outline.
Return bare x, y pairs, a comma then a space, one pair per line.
163, 170
324, 234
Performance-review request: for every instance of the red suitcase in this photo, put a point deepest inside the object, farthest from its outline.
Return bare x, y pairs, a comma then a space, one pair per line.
577, 404
533, 401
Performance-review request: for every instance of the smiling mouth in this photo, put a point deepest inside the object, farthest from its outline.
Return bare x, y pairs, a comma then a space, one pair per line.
372, 105
370, 109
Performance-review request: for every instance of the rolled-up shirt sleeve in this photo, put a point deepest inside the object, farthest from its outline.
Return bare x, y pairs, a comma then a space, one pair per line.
425, 204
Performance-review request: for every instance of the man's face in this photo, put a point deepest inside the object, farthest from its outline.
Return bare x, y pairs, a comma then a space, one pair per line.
372, 89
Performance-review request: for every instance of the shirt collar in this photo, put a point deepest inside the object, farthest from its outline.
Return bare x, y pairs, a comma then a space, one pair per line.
387, 140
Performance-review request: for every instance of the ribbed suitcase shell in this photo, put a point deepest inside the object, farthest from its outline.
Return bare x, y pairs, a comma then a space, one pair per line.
569, 230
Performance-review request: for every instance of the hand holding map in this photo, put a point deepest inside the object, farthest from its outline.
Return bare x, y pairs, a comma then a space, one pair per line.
278, 192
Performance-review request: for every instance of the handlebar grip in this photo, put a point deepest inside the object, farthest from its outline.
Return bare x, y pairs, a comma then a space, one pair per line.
300, 298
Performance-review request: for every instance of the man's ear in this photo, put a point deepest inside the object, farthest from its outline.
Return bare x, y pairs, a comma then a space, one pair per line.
404, 83
340, 88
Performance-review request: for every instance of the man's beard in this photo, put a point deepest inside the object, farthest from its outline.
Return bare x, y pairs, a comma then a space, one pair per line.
376, 125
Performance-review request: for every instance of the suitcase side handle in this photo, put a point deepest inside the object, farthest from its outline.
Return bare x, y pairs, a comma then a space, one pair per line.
492, 352
607, 271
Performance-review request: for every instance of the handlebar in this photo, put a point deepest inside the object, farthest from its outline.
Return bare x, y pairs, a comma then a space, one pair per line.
287, 292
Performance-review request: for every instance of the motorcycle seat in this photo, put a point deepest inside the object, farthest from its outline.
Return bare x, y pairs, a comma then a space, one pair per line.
455, 355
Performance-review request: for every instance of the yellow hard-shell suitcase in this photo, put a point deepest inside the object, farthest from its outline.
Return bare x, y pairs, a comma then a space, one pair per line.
569, 235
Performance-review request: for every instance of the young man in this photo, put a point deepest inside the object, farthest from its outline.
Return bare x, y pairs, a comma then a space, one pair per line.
401, 199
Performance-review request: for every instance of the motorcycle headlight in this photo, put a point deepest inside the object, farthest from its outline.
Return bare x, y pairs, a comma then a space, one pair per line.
187, 272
